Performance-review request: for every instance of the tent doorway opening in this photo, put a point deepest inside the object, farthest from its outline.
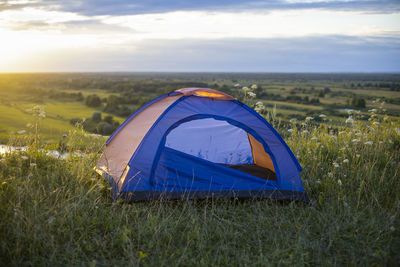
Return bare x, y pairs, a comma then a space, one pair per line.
222, 143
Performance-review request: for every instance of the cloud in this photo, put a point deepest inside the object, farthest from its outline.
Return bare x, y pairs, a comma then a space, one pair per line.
307, 54
87, 26
127, 7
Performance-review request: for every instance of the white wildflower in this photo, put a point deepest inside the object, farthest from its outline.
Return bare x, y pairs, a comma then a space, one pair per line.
333, 136
359, 134
245, 88
330, 174
350, 120
21, 132
33, 164
355, 140
314, 138
237, 85
254, 86
293, 120
342, 132
339, 182
303, 124
305, 131
251, 94
24, 157
336, 165
368, 143
376, 123
309, 118
290, 130
259, 103
322, 116
345, 161
372, 110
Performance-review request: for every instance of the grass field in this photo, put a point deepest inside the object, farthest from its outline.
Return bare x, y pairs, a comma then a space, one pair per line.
60, 212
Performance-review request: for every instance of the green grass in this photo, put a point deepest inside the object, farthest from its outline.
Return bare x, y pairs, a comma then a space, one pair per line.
15, 117
60, 212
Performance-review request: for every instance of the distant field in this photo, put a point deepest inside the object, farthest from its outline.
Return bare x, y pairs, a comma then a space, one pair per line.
19, 92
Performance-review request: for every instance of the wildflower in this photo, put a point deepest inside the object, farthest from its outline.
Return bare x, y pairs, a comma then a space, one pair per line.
318, 181
245, 89
376, 123
254, 86
142, 254
314, 138
305, 131
33, 164
251, 94
112, 233
24, 157
64, 135
259, 103
397, 130
342, 132
237, 85
333, 136
309, 118
322, 116
42, 114
359, 134
293, 120
290, 130
21, 132
96, 207
345, 204
336, 165
345, 161
392, 228
372, 110
350, 120
355, 140
330, 174
339, 182
368, 143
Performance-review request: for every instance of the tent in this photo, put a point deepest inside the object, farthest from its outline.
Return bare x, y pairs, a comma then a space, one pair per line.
199, 143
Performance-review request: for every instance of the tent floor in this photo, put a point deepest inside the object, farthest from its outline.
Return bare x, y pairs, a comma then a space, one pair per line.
254, 170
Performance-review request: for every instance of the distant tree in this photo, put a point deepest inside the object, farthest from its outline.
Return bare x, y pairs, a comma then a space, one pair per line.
357, 102
96, 117
108, 119
93, 101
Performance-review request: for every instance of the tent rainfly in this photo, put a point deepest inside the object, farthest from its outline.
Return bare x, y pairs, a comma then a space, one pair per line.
199, 143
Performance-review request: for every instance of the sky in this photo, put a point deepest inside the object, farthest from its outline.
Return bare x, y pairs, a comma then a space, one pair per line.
200, 36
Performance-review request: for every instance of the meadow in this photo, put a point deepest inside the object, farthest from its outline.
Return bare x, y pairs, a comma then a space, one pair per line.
59, 211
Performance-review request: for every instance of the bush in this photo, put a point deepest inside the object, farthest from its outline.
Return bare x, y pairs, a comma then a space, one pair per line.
96, 116
93, 101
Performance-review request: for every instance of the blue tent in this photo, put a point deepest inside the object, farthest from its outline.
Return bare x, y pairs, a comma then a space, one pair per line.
199, 143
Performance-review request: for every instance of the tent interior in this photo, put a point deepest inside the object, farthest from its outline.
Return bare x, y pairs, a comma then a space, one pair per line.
222, 143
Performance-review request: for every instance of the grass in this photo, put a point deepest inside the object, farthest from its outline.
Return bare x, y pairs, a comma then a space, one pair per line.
56, 212
14, 117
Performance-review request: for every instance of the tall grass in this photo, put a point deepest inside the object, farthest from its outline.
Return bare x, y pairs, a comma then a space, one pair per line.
59, 212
